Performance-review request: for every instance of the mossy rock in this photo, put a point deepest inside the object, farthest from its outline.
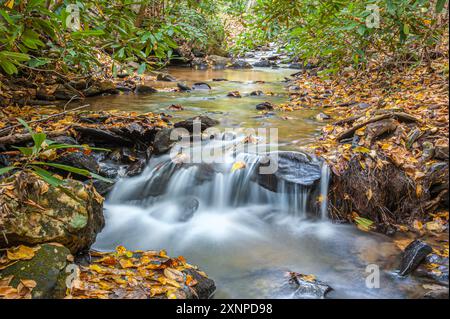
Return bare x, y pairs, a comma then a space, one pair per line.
46, 268
34, 212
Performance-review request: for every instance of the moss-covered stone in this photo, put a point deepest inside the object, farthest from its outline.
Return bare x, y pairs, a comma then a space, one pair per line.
34, 212
46, 268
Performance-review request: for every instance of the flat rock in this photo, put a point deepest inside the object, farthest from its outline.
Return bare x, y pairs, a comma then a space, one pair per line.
46, 268
205, 122
265, 106
144, 89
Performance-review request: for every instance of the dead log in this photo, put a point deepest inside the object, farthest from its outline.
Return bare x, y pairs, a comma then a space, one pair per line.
400, 116
22, 138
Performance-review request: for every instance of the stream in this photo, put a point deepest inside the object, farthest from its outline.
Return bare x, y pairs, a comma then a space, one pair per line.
244, 236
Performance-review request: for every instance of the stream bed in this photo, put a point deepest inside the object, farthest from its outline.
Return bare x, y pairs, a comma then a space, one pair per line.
242, 235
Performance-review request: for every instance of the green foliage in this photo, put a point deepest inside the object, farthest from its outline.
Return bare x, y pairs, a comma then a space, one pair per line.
43, 148
343, 32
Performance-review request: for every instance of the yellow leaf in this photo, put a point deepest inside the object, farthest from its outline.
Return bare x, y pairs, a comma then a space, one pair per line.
21, 253
9, 4
369, 194
126, 263
361, 149
417, 224
238, 165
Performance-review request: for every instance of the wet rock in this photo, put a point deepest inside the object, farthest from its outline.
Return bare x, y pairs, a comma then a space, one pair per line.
71, 218
63, 139
240, 64
189, 207
322, 117
199, 64
79, 160
183, 87
102, 87
136, 168
103, 188
265, 106
298, 66
235, 94
205, 287
428, 151
437, 293
201, 86
218, 62
292, 168
144, 89
165, 77
263, 63
257, 93
162, 142
46, 268
175, 107
205, 121
307, 286
413, 255
102, 137
219, 80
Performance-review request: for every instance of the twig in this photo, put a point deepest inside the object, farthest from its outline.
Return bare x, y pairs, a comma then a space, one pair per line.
6, 129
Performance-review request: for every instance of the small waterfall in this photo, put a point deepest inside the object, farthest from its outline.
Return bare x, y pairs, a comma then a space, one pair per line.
324, 183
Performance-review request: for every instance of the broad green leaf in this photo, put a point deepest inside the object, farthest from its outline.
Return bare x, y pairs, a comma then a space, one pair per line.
27, 151
440, 4
47, 176
4, 170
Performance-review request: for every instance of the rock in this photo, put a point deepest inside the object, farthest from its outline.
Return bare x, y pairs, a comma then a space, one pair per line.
205, 287
265, 106
413, 255
235, 94
441, 293
63, 139
162, 142
294, 88
307, 286
219, 80
102, 87
218, 62
257, 93
363, 106
102, 137
65, 92
322, 117
189, 207
72, 218
165, 77
428, 151
296, 65
293, 168
103, 188
136, 168
175, 107
183, 87
441, 152
263, 63
205, 121
144, 89
79, 160
199, 64
201, 86
47, 268
240, 64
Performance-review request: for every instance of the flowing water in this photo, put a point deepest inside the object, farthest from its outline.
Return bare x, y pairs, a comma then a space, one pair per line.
243, 235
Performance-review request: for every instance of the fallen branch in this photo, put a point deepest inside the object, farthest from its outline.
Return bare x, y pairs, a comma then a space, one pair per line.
400, 116
22, 138
9, 128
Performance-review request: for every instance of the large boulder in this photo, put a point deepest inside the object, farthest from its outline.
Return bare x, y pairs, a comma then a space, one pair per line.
35, 212
240, 64
47, 268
